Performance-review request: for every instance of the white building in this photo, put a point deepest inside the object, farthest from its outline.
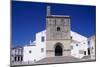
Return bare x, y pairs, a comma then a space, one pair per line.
17, 54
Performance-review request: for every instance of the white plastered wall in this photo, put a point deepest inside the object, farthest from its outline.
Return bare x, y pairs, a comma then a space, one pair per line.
36, 53
82, 44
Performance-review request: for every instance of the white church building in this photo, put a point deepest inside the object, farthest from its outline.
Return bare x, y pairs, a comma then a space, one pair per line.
36, 50
58, 40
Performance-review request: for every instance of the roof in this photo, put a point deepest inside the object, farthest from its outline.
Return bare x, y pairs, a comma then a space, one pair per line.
18, 46
58, 16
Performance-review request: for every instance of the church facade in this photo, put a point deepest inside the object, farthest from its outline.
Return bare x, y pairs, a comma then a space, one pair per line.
57, 35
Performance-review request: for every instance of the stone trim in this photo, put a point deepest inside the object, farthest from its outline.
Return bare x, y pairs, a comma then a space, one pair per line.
67, 50
54, 50
49, 50
56, 39
57, 16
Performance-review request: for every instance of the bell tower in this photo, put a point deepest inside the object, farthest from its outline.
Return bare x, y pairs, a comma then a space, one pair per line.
57, 34
48, 11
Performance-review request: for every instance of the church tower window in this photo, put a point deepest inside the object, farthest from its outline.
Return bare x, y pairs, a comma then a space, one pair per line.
58, 28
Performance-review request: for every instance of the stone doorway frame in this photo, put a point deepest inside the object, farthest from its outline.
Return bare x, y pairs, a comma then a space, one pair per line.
58, 52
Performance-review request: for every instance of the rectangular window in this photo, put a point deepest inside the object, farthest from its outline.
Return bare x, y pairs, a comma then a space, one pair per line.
71, 37
88, 51
42, 49
88, 42
42, 39
84, 52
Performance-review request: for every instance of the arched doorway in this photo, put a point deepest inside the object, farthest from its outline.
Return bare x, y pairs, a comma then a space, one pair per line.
58, 49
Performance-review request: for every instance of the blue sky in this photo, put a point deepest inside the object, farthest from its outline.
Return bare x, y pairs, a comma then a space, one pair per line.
28, 18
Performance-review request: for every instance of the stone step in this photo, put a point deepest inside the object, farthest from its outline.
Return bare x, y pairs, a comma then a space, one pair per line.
58, 59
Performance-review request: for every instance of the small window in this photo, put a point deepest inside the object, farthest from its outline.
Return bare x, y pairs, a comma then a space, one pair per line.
84, 52
30, 51
76, 44
71, 37
58, 28
88, 42
88, 51
42, 49
42, 38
